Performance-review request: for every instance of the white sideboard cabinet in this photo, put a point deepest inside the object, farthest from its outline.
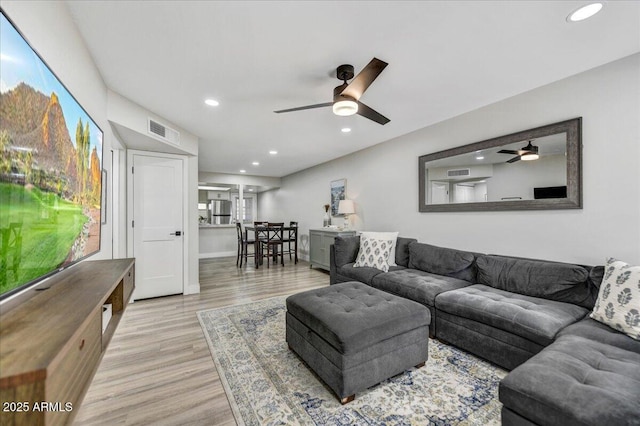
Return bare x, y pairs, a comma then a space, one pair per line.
319, 242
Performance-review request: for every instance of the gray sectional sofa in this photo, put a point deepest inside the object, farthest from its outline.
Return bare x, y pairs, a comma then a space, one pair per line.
526, 315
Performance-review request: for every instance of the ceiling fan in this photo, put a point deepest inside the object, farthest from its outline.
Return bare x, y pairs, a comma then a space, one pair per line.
346, 97
527, 153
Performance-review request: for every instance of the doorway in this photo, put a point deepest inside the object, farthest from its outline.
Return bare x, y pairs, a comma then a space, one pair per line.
439, 192
156, 209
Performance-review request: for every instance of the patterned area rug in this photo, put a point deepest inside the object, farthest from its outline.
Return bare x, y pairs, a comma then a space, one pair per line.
267, 384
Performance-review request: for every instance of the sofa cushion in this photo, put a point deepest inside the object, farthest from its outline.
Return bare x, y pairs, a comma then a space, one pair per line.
416, 285
363, 274
442, 261
402, 251
563, 282
576, 381
538, 320
346, 250
596, 275
618, 304
501, 347
591, 329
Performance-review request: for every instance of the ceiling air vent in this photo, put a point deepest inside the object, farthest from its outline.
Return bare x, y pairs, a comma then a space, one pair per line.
163, 132
458, 172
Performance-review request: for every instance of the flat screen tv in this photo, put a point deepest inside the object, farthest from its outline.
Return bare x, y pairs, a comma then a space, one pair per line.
50, 169
550, 192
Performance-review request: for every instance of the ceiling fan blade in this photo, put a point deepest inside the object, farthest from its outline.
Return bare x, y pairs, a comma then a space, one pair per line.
514, 159
363, 80
371, 114
326, 104
508, 151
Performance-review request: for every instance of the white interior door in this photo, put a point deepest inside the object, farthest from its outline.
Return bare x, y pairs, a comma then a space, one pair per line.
439, 193
158, 202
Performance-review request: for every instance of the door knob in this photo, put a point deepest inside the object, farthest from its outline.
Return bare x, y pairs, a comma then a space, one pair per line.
177, 233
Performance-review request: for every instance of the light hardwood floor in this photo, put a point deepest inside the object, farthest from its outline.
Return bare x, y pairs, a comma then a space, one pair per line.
158, 369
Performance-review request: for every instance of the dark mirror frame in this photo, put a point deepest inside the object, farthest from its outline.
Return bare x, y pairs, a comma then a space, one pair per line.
573, 129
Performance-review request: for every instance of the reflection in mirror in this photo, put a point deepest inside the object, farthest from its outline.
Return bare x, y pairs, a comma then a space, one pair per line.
501, 173
533, 169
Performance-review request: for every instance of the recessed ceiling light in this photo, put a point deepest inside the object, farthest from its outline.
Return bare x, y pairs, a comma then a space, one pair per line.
255, 163
584, 12
243, 171
273, 152
345, 130
250, 189
212, 102
479, 157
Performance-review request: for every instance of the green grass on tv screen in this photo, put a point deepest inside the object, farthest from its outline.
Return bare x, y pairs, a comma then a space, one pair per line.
41, 229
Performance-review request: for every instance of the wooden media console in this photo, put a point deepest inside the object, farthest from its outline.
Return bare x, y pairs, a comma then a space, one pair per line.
51, 345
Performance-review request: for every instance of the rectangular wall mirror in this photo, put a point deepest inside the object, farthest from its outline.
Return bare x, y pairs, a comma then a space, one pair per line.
535, 169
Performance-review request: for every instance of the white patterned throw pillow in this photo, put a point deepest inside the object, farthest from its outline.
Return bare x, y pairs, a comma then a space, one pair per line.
374, 253
618, 304
384, 236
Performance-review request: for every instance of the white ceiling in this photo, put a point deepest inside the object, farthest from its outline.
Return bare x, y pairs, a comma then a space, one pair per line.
547, 146
445, 58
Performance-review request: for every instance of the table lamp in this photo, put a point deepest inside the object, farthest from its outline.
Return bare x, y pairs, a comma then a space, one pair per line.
346, 207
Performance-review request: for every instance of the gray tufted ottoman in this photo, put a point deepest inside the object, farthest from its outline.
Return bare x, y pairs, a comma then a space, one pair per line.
354, 336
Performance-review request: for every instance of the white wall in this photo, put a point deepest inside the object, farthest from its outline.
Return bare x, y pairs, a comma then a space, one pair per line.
383, 180
131, 119
519, 179
193, 236
39, 21
226, 178
129, 124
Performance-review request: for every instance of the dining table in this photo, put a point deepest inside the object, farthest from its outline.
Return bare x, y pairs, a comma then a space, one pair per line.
256, 244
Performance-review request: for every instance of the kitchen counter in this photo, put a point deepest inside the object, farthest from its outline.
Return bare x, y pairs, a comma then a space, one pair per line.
217, 240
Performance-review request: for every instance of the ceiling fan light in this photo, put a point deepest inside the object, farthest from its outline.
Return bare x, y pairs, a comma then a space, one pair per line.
529, 156
345, 108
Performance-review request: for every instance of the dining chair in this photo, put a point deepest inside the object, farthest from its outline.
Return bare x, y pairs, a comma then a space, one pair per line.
273, 246
260, 233
243, 245
293, 238
240, 239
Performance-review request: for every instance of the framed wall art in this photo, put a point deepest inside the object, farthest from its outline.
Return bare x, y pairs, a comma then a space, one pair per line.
338, 192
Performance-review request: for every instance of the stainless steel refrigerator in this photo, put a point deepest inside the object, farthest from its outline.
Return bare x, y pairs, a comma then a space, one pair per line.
220, 212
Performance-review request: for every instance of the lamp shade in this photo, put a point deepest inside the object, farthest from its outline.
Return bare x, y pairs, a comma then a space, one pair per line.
346, 207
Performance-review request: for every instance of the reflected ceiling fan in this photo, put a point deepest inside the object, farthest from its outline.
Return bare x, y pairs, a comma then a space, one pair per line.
346, 97
527, 153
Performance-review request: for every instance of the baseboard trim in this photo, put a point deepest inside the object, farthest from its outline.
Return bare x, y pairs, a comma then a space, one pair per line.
192, 289
217, 254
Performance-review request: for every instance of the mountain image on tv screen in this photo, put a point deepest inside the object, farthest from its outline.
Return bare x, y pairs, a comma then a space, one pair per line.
50, 168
